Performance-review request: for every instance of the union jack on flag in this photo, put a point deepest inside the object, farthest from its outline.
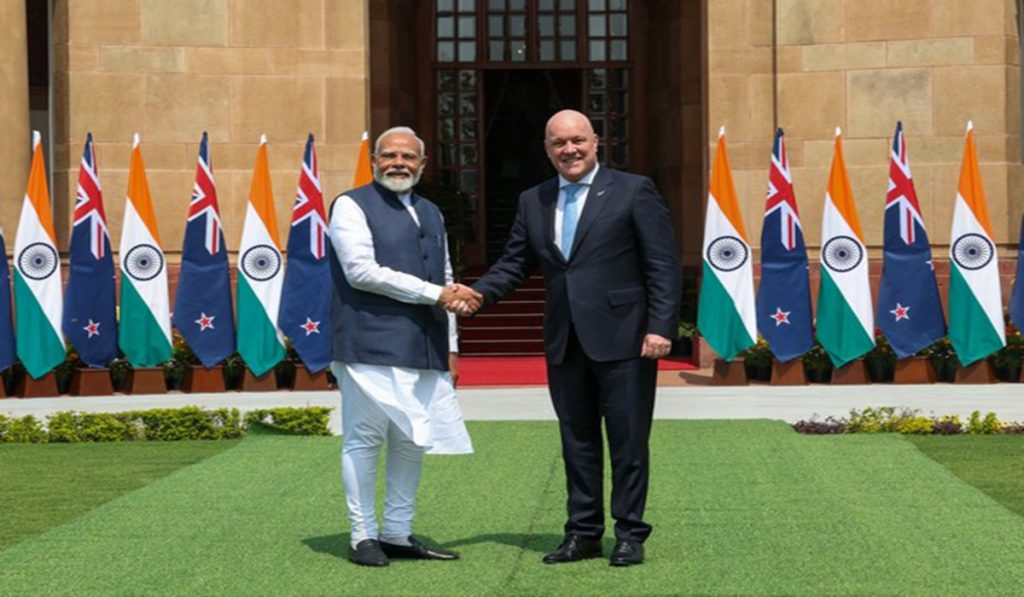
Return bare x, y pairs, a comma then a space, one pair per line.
202, 303
908, 312
901, 194
89, 320
781, 196
204, 200
309, 202
89, 202
306, 295
784, 297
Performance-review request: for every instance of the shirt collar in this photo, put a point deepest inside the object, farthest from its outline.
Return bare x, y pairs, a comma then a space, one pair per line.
587, 180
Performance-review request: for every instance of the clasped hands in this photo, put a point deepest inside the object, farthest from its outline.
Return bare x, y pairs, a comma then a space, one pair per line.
460, 299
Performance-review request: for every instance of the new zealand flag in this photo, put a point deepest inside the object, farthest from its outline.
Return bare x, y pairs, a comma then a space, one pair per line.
306, 298
784, 297
909, 312
89, 320
202, 303
1017, 297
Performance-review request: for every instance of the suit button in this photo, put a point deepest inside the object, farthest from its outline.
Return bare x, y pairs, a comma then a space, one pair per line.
425, 258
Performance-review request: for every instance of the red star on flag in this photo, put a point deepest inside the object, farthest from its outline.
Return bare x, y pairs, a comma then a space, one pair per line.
93, 329
780, 316
205, 322
311, 327
900, 312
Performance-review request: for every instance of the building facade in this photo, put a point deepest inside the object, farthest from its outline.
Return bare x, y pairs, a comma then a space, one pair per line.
478, 78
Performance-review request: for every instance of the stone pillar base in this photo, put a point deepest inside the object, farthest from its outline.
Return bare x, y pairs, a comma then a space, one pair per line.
729, 373
790, 373
145, 380
980, 371
263, 383
852, 373
914, 370
89, 381
44, 387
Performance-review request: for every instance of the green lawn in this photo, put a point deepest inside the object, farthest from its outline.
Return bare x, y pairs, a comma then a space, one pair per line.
739, 507
43, 485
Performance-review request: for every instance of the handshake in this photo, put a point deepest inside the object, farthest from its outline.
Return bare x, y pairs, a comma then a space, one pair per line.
460, 299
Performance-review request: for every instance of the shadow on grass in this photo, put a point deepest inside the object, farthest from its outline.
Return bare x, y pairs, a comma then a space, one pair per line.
337, 545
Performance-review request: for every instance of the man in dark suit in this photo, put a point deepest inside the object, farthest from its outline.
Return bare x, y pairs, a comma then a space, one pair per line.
605, 244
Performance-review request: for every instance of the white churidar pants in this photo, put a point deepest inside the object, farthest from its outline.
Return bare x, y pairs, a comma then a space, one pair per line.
415, 411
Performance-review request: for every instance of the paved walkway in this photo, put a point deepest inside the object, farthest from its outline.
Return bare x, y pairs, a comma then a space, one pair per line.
694, 401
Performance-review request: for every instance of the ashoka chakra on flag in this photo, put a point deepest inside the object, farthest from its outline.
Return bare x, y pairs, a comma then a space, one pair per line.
38, 261
727, 253
143, 262
842, 253
261, 262
972, 251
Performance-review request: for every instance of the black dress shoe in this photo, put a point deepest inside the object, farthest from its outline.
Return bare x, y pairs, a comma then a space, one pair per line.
417, 551
367, 553
627, 553
574, 549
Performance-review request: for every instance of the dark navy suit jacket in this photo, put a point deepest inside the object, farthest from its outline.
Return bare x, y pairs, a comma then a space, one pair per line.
622, 280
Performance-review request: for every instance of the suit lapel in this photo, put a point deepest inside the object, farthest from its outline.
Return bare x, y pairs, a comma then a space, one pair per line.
549, 201
600, 191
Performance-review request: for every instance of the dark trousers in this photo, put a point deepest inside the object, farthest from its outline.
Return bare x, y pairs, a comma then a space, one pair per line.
584, 392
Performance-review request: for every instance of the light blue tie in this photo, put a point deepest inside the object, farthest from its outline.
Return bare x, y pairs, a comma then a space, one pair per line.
570, 217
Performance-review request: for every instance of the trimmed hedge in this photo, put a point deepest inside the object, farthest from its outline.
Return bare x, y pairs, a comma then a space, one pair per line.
162, 424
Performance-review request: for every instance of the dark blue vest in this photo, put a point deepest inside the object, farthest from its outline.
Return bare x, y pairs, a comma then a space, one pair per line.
372, 328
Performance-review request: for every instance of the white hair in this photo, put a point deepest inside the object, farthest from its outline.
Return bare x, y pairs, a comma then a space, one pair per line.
399, 129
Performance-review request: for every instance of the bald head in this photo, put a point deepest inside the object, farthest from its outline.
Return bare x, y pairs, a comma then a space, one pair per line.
571, 144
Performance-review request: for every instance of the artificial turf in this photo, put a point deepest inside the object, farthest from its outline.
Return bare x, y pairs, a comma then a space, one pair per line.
44, 485
738, 507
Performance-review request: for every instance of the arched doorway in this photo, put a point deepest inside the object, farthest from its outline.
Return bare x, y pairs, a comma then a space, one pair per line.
479, 78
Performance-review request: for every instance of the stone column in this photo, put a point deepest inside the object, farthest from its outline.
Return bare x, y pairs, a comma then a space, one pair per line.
15, 143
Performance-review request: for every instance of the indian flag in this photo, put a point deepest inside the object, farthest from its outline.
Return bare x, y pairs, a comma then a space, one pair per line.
364, 173
144, 333
975, 302
725, 313
845, 318
260, 275
37, 283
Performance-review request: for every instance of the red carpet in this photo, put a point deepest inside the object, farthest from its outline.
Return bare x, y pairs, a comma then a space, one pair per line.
527, 371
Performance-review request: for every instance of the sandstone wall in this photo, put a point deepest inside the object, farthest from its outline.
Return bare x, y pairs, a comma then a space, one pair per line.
812, 65
235, 68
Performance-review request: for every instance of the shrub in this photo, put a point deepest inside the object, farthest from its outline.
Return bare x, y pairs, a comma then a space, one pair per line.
989, 425
169, 424
948, 425
311, 420
828, 426
25, 429
915, 425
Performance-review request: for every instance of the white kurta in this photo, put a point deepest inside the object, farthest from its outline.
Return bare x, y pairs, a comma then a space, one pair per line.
420, 402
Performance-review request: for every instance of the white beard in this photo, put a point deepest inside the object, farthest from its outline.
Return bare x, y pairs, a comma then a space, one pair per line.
397, 185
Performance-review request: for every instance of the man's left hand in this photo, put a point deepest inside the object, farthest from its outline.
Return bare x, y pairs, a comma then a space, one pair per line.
655, 346
453, 367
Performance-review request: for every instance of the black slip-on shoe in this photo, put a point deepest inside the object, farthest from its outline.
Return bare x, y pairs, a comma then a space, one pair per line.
627, 553
367, 553
573, 549
416, 551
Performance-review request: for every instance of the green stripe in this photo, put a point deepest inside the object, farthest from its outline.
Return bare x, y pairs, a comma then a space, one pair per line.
38, 345
139, 334
718, 320
837, 326
257, 335
970, 329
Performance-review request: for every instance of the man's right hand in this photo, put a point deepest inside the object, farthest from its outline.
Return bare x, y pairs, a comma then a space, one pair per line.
460, 299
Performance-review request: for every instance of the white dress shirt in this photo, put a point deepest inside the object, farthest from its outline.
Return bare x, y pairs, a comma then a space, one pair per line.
581, 199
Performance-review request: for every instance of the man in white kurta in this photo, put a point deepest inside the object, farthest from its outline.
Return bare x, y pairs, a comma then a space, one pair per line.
413, 410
